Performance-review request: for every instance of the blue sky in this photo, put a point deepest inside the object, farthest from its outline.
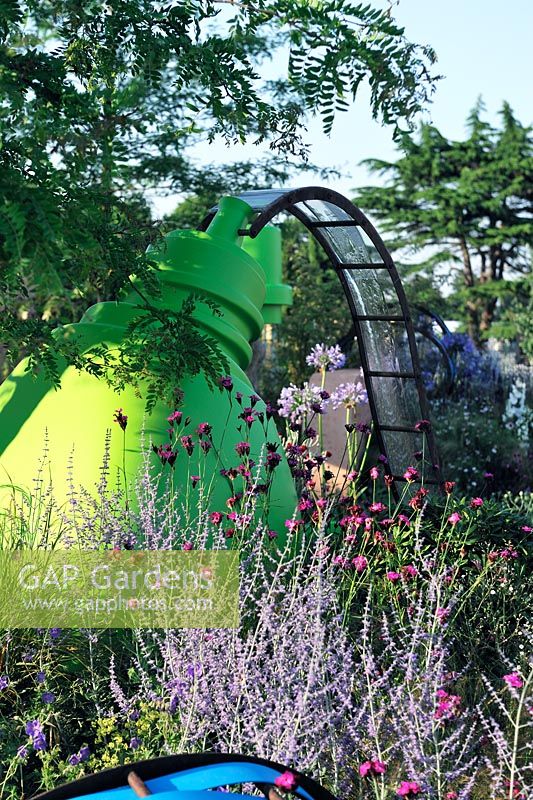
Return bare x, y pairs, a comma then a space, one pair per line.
484, 47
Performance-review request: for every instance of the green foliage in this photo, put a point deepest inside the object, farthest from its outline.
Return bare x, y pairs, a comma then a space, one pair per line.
160, 349
470, 202
101, 101
473, 439
516, 313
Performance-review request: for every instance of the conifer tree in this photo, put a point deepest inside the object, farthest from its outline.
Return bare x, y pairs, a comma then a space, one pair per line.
470, 202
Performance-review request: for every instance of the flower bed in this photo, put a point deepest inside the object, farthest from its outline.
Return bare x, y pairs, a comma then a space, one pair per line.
383, 647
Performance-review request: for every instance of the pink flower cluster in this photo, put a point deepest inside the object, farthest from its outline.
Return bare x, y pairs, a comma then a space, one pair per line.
448, 705
507, 553
287, 781
443, 614
409, 789
411, 474
513, 679
359, 563
370, 768
408, 571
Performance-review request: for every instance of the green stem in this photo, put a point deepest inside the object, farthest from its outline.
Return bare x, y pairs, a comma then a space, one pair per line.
517, 726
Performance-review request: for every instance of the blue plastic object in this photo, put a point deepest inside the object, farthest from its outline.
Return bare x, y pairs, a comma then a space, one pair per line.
199, 776
194, 784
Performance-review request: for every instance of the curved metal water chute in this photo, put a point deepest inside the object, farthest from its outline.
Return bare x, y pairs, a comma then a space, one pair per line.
379, 310
432, 327
437, 366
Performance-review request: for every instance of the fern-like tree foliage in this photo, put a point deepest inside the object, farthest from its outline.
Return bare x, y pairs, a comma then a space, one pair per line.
103, 101
468, 206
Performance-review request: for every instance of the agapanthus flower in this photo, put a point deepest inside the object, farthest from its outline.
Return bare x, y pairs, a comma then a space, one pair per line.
322, 357
349, 395
296, 402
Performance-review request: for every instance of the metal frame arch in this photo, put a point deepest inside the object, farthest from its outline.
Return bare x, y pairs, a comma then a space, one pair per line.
287, 201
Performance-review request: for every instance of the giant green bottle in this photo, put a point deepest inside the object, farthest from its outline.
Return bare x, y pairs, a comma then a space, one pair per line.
75, 418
